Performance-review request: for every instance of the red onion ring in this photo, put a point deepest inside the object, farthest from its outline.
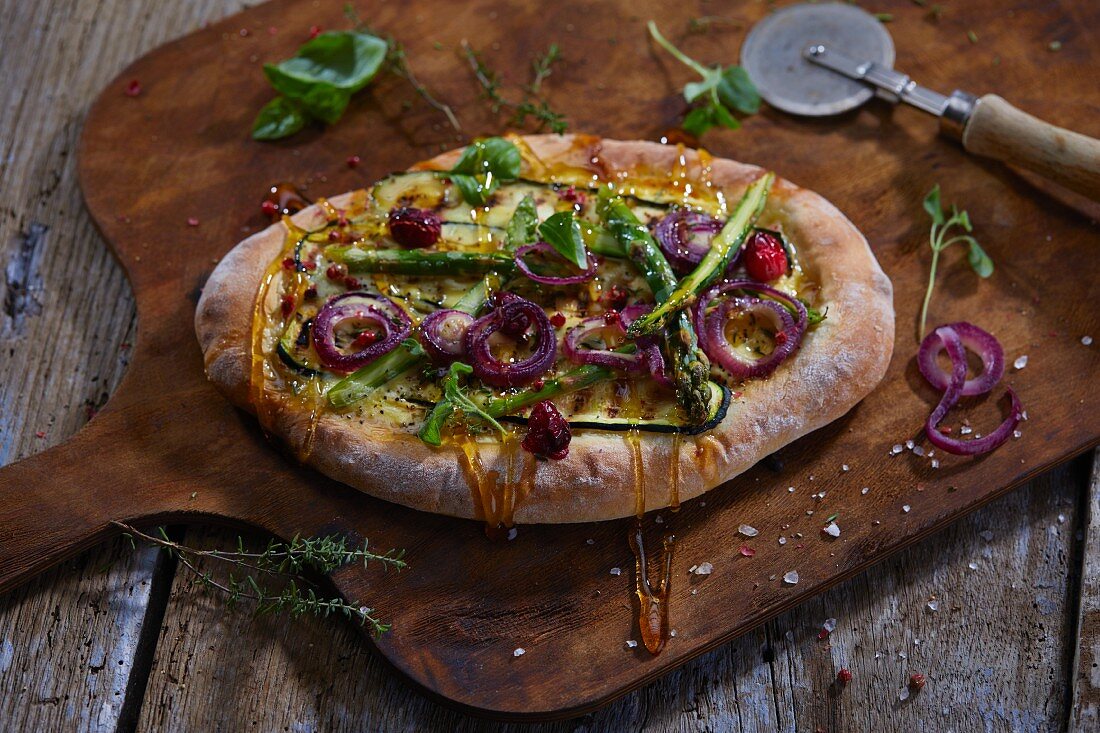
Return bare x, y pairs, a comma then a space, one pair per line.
545, 248
387, 315
952, 342
648, 357
980, 342
493, 371
711, 327
676, 236
443, 334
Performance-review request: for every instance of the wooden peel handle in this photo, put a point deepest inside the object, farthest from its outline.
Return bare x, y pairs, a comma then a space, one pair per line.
998, 130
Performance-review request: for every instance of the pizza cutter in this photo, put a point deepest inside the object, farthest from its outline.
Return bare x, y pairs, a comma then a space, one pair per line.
823, 59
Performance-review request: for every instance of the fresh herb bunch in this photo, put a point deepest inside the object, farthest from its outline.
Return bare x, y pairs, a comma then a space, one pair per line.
482, 167
938, 241
532, 105
721, 92
298, 595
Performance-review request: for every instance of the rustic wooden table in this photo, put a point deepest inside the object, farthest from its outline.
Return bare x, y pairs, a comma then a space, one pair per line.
117, 638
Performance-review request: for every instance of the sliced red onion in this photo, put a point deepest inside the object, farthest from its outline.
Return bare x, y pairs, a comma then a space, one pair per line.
575, 349
684, 237
358, 306
711, 327
443, 334
980, 342
544, 248
952, 342
497, 373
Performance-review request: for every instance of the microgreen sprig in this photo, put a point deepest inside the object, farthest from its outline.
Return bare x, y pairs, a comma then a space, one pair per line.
938, 240
454, 399
721, 91
298, 594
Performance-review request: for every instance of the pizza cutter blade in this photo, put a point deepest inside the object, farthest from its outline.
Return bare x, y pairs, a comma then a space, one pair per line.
821, 59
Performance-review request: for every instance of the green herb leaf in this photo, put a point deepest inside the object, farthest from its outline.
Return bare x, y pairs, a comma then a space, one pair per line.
413, 347
563, 232
345, 60
325, 103
279, 118
932, 205
524, 224
736, 91
483, 165
454, 399
979, 261
721, 90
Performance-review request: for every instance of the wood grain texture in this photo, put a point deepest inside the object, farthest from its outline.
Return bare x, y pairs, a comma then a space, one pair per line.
996, 652
1085, 713
719, 690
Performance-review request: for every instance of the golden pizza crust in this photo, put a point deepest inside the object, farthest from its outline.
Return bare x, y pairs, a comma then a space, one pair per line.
839, 363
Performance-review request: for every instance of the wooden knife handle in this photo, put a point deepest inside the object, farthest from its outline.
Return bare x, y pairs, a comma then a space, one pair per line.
998, 130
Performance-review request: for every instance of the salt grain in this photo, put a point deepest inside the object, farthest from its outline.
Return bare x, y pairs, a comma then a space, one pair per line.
791, 578
1086, 340
672, 633
918, 451
935, 463
519, 652
903, 695
905, 508
909, 444
1020, 362
1061, 518
986, 535
790, 489
972, 565
782, 540
1017, 434
616, 571
630, 643
865, 490
844, 467
933, 605
705, 568
831, 529
829, 625
513, 533
590, 542
966, 430
896, 449
748, 531
659, 519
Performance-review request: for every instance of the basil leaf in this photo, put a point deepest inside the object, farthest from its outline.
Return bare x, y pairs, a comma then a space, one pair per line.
695, 89
932, 205
474, 189
345, 60
326, 103
979, 261
721, 116
562, 232
279, 118
492, 155
523, 227
736, 91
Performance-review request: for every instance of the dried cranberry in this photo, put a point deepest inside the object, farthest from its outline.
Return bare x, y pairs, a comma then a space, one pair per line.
133, 88
765, 258
353, 161
917, 680
572, 195
311, 292
844, 676
336, 271
612, 317
547, 432
270, 208
287, 305
352, 283
415, 227
557, 320
364, 339
288, 263
314, 31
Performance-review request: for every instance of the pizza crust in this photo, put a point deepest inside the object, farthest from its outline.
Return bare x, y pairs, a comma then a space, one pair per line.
839, 363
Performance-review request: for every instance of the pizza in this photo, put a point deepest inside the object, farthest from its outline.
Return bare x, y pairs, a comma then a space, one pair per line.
549, 328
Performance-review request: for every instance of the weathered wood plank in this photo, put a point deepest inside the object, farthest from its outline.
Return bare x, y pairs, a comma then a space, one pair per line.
1085, 712
996, 652
67, 640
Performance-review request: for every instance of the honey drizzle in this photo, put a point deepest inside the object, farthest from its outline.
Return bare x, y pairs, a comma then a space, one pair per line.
674, 474
497, 498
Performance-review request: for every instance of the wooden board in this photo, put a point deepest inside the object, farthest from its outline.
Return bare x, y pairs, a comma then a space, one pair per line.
181, 149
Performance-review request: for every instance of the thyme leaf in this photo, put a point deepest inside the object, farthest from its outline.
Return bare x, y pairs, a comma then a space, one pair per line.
531, 105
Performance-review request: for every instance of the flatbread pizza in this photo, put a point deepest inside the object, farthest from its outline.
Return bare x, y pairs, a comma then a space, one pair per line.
549, 328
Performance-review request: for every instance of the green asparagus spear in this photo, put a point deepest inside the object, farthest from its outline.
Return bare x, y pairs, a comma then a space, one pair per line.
713, 264
690, 365
420, 262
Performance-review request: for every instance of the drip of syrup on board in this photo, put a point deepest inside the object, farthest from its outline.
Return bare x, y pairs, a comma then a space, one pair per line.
496, 495
288, 198
652, 603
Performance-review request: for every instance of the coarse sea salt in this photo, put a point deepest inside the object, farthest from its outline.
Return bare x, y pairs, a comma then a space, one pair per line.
865, 490
972, 565
1021, 362
896, 449
616, 571
782, 540
832, 529
748, 531
630, 643
519, 652
905, 508
844, 467
1086, 340
704, 568
791, 577
935, 463
933, 605
829, 625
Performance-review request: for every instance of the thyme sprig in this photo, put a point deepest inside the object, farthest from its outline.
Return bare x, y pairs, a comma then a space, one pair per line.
942, 224
531, 105
397, 64
291, 560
